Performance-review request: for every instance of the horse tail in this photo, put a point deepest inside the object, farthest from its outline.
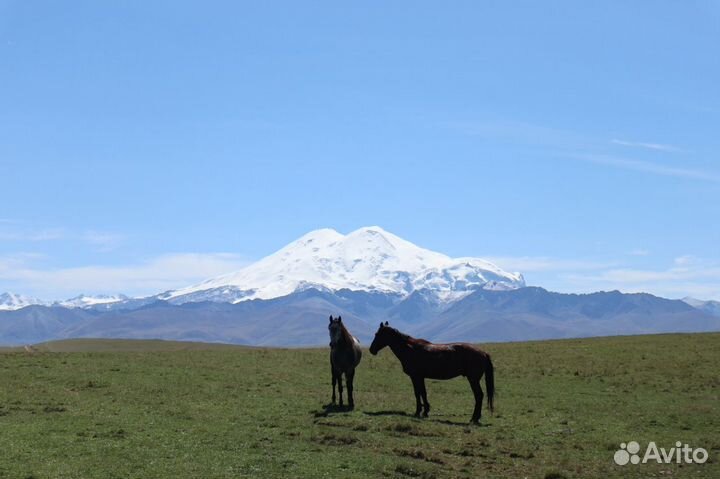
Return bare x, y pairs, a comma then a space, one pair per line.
490, 382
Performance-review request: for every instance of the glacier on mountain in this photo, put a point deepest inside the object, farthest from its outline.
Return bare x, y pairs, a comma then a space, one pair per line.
87, 301
12, 301
368, 259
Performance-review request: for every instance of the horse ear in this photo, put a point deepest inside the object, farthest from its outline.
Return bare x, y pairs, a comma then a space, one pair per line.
339, 319
381, 324
331, 318
386, 323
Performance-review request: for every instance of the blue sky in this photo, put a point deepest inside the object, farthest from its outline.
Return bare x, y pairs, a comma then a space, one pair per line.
147, 145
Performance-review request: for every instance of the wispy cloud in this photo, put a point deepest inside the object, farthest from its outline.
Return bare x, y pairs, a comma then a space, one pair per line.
520, 132
647, 146
103, 241
32, 235
686, 276
18, 232
650, 167
22, 274
572, 145
544, 263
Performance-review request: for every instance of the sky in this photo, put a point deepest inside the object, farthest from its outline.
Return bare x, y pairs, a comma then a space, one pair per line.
145, 146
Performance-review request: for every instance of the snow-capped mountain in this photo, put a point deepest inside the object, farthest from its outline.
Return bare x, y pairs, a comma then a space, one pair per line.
86, 301
368, 259
367, 276
12, 301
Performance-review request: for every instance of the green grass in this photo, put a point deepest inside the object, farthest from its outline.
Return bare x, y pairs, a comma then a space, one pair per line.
126, 345
158, 409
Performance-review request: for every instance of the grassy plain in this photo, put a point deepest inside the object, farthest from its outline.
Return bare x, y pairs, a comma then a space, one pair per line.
127, 409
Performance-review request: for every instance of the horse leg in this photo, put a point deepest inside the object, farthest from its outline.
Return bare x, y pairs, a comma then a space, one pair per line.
334, 380
423, 393
477, 391
350, 376
340, 387
417, 381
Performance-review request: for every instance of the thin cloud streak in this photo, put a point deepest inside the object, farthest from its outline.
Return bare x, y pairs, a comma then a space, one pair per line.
33, 236
544, 263
102, 240
565, 142
648, 146
519, 132
649, 167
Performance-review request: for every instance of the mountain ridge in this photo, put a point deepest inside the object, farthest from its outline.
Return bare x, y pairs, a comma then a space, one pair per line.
299, 319
368, 275
367, 259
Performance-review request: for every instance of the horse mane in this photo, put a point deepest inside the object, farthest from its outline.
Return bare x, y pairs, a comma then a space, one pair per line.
407, 338
345, 335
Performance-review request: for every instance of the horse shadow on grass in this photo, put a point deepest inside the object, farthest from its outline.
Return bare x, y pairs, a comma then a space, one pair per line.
387, 413
423, 419
331, 408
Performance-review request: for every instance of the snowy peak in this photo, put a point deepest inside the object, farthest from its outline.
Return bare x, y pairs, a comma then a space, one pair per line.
368, 259
12, 301
85, 301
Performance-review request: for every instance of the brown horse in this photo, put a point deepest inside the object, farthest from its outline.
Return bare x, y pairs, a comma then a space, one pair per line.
345, 355
422, 359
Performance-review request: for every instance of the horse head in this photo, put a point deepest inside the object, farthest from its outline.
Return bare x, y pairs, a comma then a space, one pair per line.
383, 337
335, 328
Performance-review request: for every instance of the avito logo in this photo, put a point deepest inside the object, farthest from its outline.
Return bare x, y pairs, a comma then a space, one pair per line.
629, 453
